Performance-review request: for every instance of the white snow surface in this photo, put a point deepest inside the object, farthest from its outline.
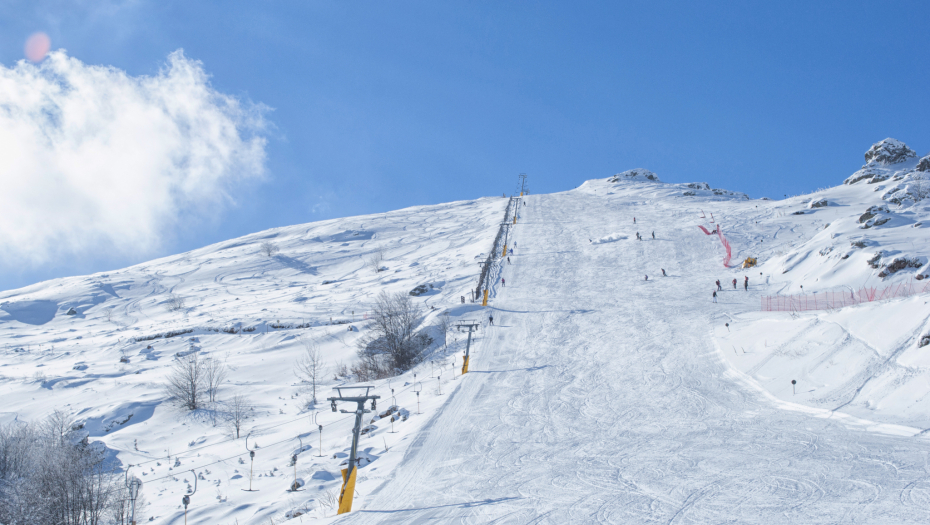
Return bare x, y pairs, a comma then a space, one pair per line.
595, 397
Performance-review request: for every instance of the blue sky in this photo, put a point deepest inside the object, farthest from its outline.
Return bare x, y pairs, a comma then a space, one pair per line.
375, 106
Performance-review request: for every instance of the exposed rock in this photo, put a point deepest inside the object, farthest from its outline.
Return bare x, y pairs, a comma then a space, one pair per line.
900, 263
635, 174
420, 290
818, 203
799, 212
924, 340
872, 212
889, 151
858, 244
874, 261
698, 185
924, 164
864, 174
71, 311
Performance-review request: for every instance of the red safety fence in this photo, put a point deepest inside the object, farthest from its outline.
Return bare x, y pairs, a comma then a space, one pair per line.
726, 245
723, 241
830, 300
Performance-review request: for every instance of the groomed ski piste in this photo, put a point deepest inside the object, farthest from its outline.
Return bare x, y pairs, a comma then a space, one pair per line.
597, 395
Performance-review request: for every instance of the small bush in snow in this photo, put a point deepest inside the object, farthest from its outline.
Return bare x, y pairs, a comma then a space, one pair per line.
393, 344
268, 248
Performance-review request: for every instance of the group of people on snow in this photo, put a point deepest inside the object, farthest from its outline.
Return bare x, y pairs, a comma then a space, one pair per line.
720, 288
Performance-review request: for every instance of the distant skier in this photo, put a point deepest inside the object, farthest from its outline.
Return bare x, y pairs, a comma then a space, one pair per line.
491, 318
463, 299
503, 282
715, 297
746, 283
634, 220
653, 235
508, 260
734, 283
524, 203
718, 285
663, 273
647, 277
638, 238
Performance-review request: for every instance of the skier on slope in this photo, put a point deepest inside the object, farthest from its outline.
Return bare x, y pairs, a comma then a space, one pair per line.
634, 220
508, 260
653, 235
715, 296
734, 283
647, 277
491, 318
746, 283
503, 282
663, 273
718, 285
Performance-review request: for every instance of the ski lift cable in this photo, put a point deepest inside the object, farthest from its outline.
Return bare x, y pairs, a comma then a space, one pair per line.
409, 387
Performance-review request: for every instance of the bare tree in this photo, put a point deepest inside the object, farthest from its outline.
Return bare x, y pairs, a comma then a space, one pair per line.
108, 314
393, 343
268, 248
186, 381
444, 325
174, 303
310, 365
239, 409
375, 259
57, 426
214, 372
920, 186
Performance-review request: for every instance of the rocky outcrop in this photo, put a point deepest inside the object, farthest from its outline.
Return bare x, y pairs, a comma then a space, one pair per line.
889, 151
924, 164
698, 186
898, 264
818, 203
635, 174
873, 217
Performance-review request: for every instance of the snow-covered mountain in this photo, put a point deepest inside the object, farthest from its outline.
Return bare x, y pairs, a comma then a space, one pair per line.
604, 391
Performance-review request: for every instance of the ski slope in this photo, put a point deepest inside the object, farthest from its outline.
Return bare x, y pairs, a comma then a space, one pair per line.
598, 396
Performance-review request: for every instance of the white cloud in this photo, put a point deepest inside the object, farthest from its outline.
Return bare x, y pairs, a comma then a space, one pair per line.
94, 159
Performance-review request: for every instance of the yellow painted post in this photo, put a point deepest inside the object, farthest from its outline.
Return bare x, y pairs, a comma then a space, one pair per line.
348, 490
514, 219
505, 251
465, 365
485, 301
521, 193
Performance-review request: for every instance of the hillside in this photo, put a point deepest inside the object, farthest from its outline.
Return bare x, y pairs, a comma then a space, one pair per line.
597, 394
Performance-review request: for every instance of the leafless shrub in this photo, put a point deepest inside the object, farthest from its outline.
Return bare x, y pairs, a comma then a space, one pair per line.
268, 248
375, 259
214, 372
309, 366
392, 343
175, 303
239, 411
49, 474
187, 381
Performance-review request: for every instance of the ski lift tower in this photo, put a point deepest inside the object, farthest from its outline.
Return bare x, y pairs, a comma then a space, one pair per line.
471, 327
522, 184
359, 395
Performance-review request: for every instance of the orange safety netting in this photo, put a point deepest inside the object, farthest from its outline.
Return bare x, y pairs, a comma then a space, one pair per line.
830, 300
723, 241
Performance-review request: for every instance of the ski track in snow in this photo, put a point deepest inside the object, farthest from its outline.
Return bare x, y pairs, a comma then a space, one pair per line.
596, 398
